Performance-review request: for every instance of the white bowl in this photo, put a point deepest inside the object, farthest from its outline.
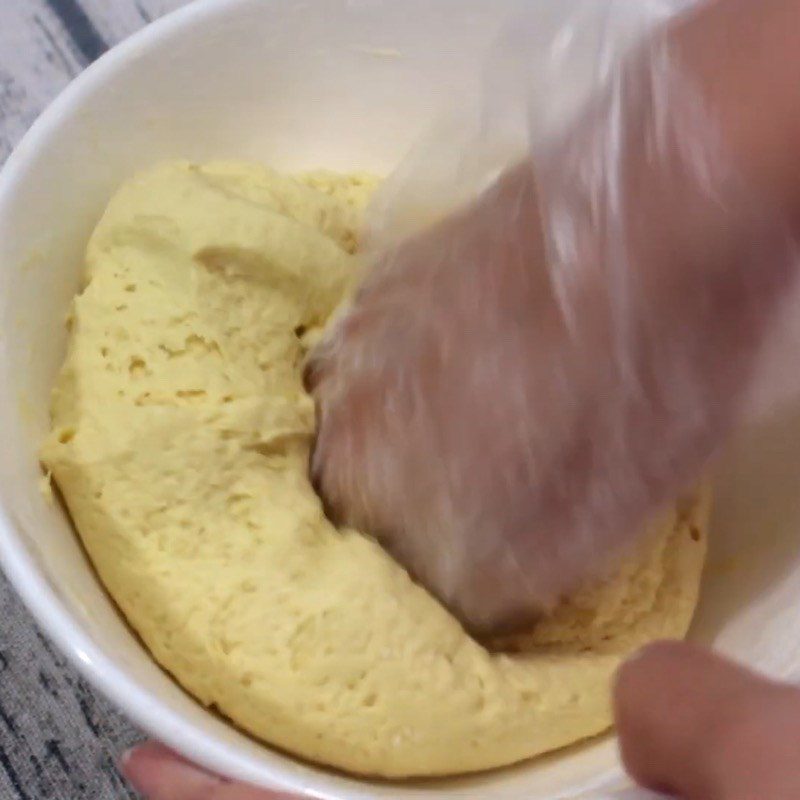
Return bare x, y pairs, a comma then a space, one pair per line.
337, 83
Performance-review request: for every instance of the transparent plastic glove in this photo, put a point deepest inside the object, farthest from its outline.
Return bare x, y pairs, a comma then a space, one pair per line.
518, 385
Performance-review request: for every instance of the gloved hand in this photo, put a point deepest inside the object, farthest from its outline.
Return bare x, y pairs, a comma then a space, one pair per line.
517, 387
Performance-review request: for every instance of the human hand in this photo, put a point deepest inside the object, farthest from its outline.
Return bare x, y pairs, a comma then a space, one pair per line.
689, 723
698, 727
159, 774
515, 389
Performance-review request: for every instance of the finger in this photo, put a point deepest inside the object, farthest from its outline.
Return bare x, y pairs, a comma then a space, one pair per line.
695, 725
323, 359
346, 422
313, 372
159, 774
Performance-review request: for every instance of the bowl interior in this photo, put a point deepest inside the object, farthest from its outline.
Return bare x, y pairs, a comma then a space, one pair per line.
333, 83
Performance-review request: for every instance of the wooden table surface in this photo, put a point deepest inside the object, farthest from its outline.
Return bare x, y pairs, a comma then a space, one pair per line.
58, 739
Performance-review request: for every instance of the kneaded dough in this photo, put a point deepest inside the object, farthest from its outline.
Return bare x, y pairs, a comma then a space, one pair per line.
180, 442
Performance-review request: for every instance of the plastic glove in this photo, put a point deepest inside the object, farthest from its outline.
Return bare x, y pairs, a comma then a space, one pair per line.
517, 387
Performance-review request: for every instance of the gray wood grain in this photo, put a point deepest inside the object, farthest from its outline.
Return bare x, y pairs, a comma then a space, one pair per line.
36, 61
58, 739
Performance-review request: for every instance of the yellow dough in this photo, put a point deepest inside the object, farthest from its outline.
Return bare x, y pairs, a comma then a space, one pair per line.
180, 442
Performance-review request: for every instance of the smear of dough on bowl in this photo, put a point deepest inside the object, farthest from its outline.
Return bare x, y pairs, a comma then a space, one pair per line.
180, 442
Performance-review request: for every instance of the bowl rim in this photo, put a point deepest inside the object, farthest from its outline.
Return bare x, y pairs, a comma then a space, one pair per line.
144, 708
277, 771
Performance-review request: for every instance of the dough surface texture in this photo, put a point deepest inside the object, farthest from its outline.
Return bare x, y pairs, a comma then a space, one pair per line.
180, 441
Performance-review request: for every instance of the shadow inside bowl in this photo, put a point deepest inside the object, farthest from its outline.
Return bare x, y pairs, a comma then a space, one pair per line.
755, 534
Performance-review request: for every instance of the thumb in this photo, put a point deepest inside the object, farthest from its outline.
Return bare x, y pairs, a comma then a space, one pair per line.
697, 726
159, 774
